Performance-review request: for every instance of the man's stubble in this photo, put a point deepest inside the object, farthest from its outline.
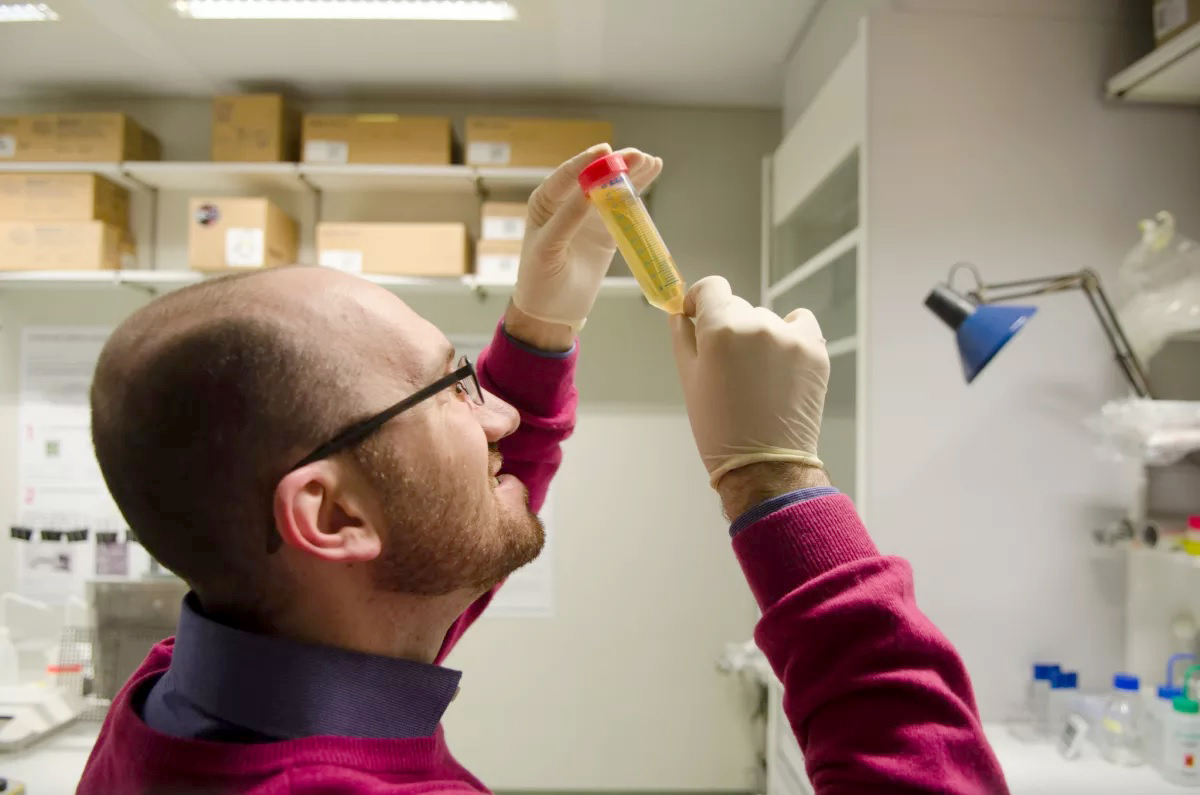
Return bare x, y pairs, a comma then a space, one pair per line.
439, 537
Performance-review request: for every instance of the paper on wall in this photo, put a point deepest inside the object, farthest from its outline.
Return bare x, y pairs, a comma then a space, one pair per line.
60, 488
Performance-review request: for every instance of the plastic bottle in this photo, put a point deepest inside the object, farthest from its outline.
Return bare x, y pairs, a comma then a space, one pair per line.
1064, 689
1119, 733
607, 185
1038, 692
1158, 707
1158, 712
1181, 739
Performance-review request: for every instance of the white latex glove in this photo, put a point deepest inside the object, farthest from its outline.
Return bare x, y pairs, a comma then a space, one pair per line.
754, 382
567, 250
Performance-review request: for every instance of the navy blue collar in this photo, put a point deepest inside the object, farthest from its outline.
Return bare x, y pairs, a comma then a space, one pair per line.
282, 689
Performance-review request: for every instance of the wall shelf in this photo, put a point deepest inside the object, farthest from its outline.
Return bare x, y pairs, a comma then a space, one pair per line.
1169, 74
200, 177
166, 280
214, 178
384, 177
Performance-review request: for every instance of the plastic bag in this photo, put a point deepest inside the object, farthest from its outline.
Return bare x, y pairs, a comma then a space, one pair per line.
1160, 287
1155, 432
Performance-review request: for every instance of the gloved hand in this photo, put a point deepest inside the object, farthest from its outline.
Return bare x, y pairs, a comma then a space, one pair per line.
567, 250
754, 382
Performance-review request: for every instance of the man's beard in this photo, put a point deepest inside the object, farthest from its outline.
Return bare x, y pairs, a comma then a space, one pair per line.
438, 540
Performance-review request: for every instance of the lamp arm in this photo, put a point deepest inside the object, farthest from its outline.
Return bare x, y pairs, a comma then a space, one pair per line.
1089, 283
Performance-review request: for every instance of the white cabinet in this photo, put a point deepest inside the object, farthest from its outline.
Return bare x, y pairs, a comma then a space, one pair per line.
814, 257
814, 253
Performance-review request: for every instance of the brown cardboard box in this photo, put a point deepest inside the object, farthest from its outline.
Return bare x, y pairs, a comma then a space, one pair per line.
400, 249
503, 220
505, 141
62, 245
63, 197
377, 138
254, 128
497, 261
238, 233
1172, 17
57, 137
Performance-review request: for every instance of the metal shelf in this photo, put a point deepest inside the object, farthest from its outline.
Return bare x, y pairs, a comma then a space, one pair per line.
383, 177
496, 178
207, 177
215, 178
174, 279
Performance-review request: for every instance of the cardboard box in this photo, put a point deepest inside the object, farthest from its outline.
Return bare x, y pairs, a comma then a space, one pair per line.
399, 249
1172, 17
377, 138
62, 245
498, 261
503, 220
254, 128
94, 137
63, 197
507, 141
239, 233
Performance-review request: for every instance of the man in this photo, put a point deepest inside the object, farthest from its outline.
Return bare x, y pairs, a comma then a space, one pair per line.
342, 495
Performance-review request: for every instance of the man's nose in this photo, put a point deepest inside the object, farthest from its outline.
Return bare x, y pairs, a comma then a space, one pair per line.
497, 418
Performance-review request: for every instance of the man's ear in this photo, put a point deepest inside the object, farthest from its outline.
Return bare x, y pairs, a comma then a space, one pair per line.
324, 510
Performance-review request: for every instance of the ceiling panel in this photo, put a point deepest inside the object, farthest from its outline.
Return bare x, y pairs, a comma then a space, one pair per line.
705, 52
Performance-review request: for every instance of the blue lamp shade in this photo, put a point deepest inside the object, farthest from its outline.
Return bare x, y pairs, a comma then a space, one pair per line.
981, 331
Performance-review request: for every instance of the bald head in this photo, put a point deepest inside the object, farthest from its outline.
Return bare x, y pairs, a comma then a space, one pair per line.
204, 398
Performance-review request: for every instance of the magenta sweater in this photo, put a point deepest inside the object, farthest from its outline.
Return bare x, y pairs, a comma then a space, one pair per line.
878, 699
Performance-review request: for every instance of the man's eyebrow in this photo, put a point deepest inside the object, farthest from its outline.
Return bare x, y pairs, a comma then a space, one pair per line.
450, 356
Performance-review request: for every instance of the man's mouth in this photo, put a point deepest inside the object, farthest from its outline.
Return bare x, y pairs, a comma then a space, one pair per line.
495, 461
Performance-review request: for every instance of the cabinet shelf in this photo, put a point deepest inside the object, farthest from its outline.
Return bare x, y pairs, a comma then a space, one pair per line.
165, 280
1169, 74
200, 177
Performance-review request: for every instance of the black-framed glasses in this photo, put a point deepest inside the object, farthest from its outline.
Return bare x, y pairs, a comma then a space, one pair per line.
462, 378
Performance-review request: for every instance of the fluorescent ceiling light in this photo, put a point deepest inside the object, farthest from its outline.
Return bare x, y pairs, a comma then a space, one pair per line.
452, 10
27, 12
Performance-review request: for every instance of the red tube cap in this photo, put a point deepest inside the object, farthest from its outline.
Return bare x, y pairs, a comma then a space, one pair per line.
602, 169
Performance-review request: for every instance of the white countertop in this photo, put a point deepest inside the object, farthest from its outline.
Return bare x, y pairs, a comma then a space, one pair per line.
1038, 769
53, 767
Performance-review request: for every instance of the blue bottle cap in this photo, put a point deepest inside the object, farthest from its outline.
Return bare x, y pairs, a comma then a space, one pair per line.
1045, 670
1169, 693
1126, 682
1065, 680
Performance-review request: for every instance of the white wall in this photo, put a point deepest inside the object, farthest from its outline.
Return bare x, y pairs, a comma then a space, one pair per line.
620, 688
833, 28
988, 141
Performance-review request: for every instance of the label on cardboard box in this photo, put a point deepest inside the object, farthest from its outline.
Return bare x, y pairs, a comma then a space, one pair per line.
245, 247
8, 146
1169, 15
326, 152
489, 153
347, 260
503, 228
497, 267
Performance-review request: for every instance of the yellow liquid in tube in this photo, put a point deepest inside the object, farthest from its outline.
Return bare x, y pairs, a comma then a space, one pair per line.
639, 242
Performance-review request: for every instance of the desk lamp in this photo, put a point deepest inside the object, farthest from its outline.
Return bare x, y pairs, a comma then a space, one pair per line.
982, 329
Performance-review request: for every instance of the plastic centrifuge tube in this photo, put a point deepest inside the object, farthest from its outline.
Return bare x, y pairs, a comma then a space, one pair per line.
606, 183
